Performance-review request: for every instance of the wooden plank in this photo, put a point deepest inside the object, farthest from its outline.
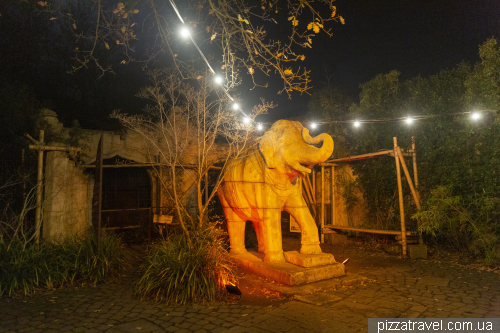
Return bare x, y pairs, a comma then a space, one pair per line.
370, 231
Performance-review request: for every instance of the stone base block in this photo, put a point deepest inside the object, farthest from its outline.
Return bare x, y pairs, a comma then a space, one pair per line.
309, 260
286, 273
417, 251
335, 239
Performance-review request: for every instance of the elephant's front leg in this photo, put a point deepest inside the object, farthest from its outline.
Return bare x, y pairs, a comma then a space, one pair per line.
271, 234
297, 207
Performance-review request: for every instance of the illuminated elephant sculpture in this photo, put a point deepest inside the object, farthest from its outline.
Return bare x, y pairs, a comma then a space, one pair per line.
260, 186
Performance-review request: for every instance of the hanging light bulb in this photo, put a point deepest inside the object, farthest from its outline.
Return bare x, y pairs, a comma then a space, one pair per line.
218, 80
259, 127
475, 115
185, 32
236, 106
246, 120
357, 123
409, 120
314, 125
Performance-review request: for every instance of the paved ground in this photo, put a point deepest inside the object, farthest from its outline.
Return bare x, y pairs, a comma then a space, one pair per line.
394, 287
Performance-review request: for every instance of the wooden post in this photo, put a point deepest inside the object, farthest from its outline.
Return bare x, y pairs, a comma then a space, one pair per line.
307, 189
408, 178
401, 203
332, 196
23, 174
414, 156
160, 183
314, 184
150, 224
322, 221
41, 147
414, 192
39, 176
415, 178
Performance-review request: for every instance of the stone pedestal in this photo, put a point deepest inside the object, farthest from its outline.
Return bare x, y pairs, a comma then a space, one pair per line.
287, 273
309, 260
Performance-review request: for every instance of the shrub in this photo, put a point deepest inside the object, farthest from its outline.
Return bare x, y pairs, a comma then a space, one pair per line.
75, 261
174, 272
464, 223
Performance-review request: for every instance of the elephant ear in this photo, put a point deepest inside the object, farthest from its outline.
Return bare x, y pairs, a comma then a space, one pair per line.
267, 148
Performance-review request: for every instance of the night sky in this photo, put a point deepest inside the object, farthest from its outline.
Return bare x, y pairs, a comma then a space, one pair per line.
414, 37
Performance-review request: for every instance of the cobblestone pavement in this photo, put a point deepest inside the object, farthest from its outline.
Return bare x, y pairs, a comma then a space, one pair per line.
394, 287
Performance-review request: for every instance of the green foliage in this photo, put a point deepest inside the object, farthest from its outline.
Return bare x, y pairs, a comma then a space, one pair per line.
174, 272
24, 269
471, 223
452, 150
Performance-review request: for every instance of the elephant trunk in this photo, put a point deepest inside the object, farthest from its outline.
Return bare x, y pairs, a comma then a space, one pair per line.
315, 155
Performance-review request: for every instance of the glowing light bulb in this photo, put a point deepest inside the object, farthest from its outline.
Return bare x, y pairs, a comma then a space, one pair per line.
259, 127
475, 116
357, 123
218, 80
314, 125
246, 120
409, 120
236, 106
185, 32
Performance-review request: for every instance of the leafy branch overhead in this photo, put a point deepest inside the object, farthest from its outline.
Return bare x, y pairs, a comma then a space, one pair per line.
109, 33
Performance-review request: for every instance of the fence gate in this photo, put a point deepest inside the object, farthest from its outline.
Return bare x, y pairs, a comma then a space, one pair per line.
126, 201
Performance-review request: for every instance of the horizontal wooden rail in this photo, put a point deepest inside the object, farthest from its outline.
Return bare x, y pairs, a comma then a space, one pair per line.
124, 209
139, 165
371, 231
362, 157
127, 227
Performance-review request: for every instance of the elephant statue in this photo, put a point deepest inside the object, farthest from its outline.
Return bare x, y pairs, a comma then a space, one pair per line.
260, 186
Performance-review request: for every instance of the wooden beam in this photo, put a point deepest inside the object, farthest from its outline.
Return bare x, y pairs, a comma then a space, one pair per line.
333, 206
359, 157
371, 231
39, 177
410, 183
42, 147
401, 202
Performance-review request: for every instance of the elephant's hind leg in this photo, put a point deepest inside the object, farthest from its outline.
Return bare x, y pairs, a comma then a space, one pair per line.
257, 225
236, 231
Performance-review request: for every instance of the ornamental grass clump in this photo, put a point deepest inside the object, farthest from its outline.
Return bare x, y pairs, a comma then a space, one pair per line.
175, 272
24, 269
464, 223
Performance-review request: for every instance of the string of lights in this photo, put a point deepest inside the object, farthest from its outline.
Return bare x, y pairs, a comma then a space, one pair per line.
185, 32
474, 116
